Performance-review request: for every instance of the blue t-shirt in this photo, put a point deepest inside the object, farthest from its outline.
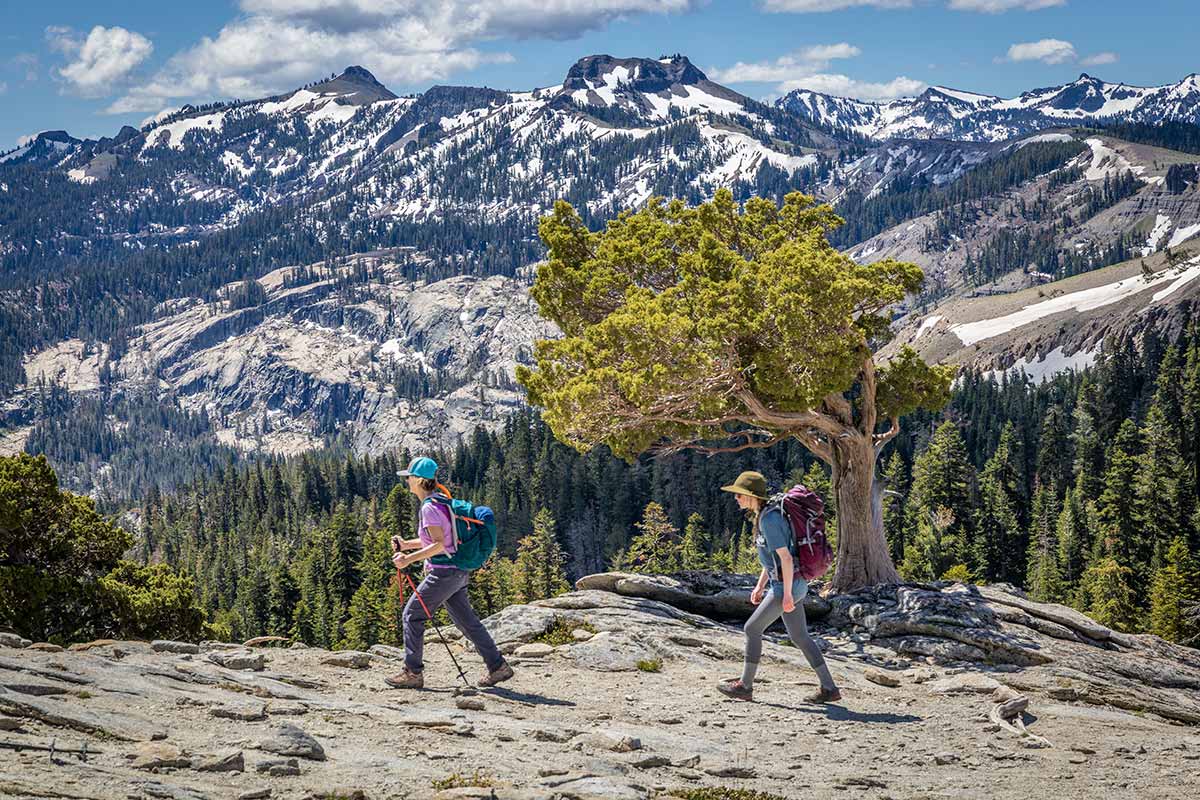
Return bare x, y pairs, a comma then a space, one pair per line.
774, 532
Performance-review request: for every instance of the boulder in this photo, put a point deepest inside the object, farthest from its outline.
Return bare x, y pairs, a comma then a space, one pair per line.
14, 641
349, 659
229, 762
168, 646
238, 660
711, 594
534, 650
158, 755
289, 740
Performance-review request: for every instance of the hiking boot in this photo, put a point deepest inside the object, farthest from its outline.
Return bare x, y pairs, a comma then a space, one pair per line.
498, 675
406, 680
824, 696
736, 690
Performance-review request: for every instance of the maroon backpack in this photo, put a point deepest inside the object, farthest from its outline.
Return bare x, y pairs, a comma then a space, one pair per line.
805, 513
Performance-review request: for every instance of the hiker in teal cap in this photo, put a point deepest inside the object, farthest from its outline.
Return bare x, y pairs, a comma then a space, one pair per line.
774, 594
444, 583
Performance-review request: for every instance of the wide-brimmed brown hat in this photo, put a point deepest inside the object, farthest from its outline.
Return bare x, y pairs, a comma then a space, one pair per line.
749, 483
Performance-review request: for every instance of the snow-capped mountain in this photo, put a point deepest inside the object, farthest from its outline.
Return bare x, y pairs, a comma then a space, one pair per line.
339, 261
942, 113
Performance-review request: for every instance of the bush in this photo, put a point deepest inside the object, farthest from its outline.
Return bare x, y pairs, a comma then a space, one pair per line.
559, 633
457, 781
650, 665
61, 574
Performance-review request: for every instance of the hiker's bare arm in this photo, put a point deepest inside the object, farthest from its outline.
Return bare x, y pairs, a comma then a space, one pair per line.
785, 574
399, 543
428, 551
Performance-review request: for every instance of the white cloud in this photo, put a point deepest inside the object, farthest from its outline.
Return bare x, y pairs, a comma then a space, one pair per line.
813, 6
808, 61
27, 62
161, 115
844, 86
281, 44
1100, 58
1048, 51
101, 61
806, 69
26, 139
1000, 6
984, 6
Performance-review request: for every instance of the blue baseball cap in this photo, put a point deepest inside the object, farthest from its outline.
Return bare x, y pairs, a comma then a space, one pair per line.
421, 467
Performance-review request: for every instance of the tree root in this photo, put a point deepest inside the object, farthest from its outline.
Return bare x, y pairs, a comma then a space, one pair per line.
1006, 713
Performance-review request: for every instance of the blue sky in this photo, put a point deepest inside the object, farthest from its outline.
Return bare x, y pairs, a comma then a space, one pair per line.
90, 67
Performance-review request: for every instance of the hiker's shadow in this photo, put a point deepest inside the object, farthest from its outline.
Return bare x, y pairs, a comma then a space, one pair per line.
843, 714
526, 697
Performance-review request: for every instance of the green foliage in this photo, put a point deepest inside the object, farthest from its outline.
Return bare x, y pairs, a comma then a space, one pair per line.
939, 507
960, 573
694, 550
1175, 589
673, 314
460, 781
540, 562
61, 577
649, 665
654, 550
1043, 578
561, 630
1109, 594
720, 793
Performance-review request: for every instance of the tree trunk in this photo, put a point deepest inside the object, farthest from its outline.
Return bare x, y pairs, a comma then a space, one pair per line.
862, 552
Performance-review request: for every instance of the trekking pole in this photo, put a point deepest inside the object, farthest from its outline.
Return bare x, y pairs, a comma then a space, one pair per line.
436, 627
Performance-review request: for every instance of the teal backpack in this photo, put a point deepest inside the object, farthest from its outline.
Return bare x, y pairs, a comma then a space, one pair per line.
474, 533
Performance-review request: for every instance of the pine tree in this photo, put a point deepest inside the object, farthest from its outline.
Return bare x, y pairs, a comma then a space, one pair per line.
1175, 589
1110, 599
932, 552
1043, 578
999, 549
540, 562
1071, 531
895, 481
940, 506
693, 552
1119, 516
653, 549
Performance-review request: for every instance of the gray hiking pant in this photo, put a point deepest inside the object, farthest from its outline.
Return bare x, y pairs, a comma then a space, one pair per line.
446, 587
769, 610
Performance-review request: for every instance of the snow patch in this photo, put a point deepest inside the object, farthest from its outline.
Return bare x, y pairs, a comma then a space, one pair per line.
927, 325
1047, 366
1182, 279
1181, 235
1084, 300
1162, 225
176, 130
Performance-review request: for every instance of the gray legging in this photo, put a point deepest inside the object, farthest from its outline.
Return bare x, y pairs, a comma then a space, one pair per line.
769, 610
448, 587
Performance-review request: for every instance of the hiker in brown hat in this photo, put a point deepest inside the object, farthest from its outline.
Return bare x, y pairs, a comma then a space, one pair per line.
775, 597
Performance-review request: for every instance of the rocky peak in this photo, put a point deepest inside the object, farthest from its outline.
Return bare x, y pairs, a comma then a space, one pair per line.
639, 74
356, 85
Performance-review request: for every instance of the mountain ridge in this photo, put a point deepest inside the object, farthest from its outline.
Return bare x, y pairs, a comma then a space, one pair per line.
944, 112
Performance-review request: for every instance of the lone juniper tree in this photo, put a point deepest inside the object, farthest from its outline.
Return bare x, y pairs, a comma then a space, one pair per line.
718, 328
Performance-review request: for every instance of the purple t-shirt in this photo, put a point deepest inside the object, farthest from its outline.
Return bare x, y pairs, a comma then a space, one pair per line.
434, 514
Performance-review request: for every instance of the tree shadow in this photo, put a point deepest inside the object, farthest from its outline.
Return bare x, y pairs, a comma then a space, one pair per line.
843, 714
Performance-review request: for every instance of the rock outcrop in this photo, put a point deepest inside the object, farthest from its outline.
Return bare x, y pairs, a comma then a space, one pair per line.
944, 686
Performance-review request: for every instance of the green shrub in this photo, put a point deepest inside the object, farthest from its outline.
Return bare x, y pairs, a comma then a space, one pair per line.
458, 781
650, 665
720, 793
559, 632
